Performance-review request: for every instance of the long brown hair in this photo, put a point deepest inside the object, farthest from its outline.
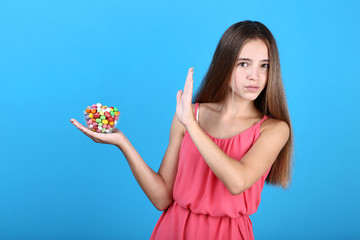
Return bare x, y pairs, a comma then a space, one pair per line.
271, 101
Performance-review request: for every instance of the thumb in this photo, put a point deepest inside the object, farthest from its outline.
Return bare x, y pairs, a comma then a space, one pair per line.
178, 96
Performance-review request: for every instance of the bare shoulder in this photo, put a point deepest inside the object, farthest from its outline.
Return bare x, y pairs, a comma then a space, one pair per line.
210, 107
276, 128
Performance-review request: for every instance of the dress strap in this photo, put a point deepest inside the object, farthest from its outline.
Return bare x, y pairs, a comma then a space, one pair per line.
196, 111
263, 119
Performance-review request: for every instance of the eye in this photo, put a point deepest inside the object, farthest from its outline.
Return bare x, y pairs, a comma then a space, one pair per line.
266, 66
243, 64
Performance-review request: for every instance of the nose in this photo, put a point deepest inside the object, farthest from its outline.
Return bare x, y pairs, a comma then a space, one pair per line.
253, 73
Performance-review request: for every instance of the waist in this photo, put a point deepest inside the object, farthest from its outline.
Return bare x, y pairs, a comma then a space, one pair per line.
211, 214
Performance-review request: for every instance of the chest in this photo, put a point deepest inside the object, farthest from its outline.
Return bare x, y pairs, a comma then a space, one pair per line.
221, 127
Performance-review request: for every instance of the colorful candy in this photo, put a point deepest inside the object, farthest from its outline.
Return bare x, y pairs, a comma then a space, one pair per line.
101, 118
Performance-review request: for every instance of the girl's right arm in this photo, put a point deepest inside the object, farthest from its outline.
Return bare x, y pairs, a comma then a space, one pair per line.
158, 187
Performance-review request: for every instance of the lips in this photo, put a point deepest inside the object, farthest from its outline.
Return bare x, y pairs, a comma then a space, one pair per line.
252, 88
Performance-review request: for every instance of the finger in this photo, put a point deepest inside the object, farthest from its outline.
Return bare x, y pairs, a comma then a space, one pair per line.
83, 129
178, 96
189, 77
80, 126
189, 81
190, 73
189, 86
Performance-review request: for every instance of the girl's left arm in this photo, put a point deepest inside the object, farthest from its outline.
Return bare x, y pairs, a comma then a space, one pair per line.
236, 175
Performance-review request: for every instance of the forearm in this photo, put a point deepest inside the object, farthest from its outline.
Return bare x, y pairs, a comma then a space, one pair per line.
151, 182
227, 169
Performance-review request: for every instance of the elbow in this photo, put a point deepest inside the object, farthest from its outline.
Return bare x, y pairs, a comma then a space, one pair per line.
161, 208
162, 199
163, 205
236, 188
236, 191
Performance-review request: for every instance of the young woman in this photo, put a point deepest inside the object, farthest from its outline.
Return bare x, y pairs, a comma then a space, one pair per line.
224, 147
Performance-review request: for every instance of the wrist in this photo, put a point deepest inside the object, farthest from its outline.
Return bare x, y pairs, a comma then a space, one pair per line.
120, 143
190, 125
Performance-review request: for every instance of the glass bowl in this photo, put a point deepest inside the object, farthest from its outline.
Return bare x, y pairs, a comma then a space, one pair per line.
101, 119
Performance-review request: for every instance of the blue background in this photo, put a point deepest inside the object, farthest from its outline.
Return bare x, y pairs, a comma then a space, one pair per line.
58, 57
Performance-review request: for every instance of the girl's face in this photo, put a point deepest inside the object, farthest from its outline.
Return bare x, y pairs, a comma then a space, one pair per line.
250, 73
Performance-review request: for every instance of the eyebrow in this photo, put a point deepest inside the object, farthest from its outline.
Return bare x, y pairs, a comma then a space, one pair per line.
249, 60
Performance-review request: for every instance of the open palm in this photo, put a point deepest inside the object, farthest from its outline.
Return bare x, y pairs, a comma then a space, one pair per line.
113, 138
184, 110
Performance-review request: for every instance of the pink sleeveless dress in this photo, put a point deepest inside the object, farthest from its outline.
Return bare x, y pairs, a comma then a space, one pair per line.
203, 208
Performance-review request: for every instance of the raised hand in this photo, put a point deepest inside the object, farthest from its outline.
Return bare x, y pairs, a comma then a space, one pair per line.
114, 138
184, 110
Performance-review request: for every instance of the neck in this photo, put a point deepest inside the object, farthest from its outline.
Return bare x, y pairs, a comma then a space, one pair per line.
234, 106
